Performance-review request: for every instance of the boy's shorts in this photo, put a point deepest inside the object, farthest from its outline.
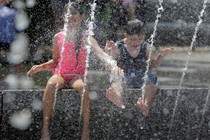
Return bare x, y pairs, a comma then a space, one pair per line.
136, 80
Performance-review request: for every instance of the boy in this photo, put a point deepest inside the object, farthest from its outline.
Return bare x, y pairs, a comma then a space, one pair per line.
131, 54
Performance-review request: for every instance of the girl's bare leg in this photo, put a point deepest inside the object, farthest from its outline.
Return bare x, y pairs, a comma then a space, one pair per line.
48, 103
146, 104
78, 86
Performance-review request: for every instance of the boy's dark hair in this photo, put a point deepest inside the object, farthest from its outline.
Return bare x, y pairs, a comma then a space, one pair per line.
135, 27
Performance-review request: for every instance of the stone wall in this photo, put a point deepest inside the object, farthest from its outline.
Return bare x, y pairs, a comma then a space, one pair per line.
107, 121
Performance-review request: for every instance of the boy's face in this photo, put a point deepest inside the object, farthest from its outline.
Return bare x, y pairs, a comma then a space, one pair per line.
134, 40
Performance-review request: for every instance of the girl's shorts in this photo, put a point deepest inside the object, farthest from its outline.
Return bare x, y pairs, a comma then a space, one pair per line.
69, 77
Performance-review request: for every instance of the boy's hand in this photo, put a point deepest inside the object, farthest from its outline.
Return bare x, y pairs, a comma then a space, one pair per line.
34, 69
166, 51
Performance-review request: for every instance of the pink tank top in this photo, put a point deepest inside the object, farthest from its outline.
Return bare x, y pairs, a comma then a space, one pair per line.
68, 64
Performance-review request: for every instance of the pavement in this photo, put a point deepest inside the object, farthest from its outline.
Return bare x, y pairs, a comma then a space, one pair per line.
195, 72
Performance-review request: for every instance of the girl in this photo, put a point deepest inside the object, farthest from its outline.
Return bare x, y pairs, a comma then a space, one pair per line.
68, 70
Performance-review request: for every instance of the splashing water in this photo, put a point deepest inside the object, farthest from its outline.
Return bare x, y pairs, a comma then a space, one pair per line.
203, 113
12, 81
21, 21
37, 105
160, 9
88, 48
66, 19
187, 61
18, 49
30, 3
19, 4
22, 119
90, 33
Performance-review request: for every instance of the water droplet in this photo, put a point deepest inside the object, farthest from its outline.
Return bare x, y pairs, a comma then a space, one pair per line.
26, 83
21, 21
12, 81
19, 4
30, 3
21, 120
93, 95
18, 49
37, 104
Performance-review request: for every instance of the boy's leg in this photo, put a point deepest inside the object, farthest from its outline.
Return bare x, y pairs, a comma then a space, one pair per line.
48, 103
78, 86
146, 103
114, 94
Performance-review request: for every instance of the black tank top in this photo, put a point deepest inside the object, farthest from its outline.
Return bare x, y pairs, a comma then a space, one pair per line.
129, 63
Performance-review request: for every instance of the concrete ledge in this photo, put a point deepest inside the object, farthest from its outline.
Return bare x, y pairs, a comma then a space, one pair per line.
107, 121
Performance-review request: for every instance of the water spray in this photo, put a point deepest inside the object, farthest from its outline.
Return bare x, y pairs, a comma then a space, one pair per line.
187, 61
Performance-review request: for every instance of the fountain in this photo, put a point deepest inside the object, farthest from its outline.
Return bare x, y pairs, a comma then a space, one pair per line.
21, 110
151, 40
187, 61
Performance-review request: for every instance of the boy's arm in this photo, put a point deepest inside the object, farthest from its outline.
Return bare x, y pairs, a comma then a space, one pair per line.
155, 62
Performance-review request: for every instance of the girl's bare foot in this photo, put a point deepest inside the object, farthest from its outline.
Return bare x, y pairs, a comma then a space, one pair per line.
45, 135
144, 108
115, 98
85, 135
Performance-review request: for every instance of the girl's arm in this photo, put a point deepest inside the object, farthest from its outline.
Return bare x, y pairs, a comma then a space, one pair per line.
104, 57
112, 49
47, 65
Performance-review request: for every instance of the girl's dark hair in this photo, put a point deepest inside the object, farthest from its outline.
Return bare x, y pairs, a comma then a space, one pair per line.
79, 39
81, 29
135, 27
75, 5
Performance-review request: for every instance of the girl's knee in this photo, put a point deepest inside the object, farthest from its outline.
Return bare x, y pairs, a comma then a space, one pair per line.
83, 88
79, 86
54, 83
51, 85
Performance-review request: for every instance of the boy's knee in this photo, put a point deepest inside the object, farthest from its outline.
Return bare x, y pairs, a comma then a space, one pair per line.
151, 86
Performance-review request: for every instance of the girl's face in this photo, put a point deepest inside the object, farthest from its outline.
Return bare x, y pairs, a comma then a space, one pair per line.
74, 17
134, 40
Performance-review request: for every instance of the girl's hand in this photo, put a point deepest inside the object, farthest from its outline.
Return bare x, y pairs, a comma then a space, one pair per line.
111, 49
110, 46
34, 69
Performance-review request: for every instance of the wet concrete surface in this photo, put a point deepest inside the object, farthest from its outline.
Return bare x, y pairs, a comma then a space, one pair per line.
197, 73
191, 120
